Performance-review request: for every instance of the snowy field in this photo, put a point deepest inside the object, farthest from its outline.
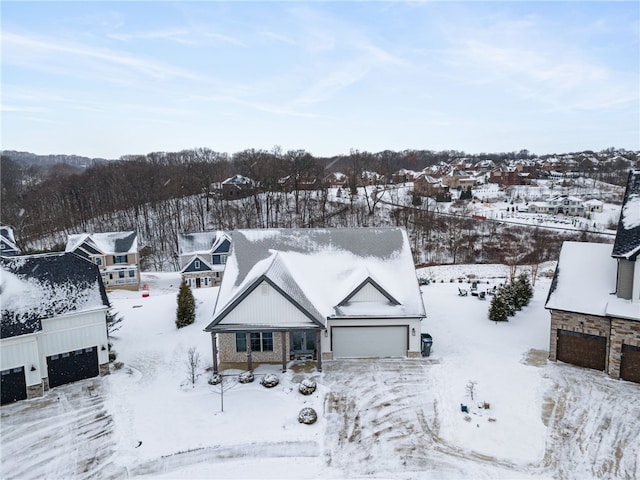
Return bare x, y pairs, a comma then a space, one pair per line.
390, 418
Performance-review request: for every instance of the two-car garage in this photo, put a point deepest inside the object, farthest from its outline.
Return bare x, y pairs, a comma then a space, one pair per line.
369, 341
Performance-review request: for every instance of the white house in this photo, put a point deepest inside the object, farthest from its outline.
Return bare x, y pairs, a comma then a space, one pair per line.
317, 293
53, 329
560, 204
115, 253
203, 256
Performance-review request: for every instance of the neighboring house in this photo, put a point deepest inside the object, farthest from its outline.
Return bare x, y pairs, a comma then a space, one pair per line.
8, 247
594, 206
336, 180
317, 293
53, 328
595, 298
458, 180
237, 187
115, 253
203, 256
560, 204
428, 186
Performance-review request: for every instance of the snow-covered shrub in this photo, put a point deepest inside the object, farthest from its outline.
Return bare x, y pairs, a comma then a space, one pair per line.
215, 379
307, 386
270, 380
245, 377
112, 355
118, 365
307, 416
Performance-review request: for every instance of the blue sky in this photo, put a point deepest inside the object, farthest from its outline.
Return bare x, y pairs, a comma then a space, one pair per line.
105, 79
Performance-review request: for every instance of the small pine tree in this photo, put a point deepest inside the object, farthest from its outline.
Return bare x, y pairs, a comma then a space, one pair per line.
113, 321
524, 289
186, 312
499, 308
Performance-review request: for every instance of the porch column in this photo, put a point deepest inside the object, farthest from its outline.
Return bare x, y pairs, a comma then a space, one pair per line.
247, 337
319, 349
283, 337
214, 348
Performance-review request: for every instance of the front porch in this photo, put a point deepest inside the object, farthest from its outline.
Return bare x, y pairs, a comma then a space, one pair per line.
248, 348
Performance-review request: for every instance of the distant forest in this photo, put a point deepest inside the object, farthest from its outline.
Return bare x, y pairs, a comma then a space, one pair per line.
44, 198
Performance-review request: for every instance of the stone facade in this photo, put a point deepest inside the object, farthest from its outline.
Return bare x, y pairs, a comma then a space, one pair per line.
616, 330
104, 369
622, 331
576, 322
34, 391
228, 353
411, 354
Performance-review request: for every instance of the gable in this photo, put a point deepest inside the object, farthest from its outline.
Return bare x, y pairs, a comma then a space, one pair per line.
197, 264
369, 291
264, 304
224, 247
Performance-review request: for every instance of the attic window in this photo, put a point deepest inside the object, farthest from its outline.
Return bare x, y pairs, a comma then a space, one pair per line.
197, 264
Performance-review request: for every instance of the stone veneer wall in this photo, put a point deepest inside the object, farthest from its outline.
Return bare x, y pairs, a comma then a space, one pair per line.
616, 330
622, 331
34, 391
227, 347
591, 325
104, 369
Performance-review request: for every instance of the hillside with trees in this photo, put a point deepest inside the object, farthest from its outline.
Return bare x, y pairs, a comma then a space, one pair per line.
161, 194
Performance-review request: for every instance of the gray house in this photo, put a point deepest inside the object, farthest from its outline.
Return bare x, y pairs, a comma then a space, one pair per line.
203, 256
594, 298
8, 247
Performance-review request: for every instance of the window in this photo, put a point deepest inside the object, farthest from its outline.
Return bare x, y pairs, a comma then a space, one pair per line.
197, 264
223, 259
260, 342
119, 259
121, 274
98, 260
132, 273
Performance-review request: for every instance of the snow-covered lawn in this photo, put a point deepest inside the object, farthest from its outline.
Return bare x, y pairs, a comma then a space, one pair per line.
387, 418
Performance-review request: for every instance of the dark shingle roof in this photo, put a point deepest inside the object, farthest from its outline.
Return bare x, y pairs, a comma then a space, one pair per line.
35, 287
627, 243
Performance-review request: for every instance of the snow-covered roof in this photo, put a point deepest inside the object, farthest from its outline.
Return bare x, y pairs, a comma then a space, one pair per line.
106, 243
238, 180
200, 242
627, 243
585, 280
35, 287
319, 268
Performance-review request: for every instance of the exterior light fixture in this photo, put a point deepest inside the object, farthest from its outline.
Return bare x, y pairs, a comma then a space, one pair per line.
413, 332
33, 368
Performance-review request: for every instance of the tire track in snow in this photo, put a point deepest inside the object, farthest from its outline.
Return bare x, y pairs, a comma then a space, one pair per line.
66, 434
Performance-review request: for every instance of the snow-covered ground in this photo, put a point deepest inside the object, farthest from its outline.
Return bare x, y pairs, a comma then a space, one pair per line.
389, 418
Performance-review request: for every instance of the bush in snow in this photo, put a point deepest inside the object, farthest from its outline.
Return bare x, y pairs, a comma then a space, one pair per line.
307, 387
215, 379
269, 380
307, 416
245, 377
186, 311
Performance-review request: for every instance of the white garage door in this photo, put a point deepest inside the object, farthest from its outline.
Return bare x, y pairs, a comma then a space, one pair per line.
353, 342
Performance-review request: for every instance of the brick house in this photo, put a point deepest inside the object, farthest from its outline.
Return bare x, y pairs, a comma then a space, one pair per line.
594, 298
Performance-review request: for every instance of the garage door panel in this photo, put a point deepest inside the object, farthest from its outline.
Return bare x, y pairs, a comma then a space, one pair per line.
589, 351
358, 342
13, 385
630, 363
72, 366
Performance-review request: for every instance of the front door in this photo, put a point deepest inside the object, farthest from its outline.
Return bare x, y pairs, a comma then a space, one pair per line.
198, 284
303, 342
